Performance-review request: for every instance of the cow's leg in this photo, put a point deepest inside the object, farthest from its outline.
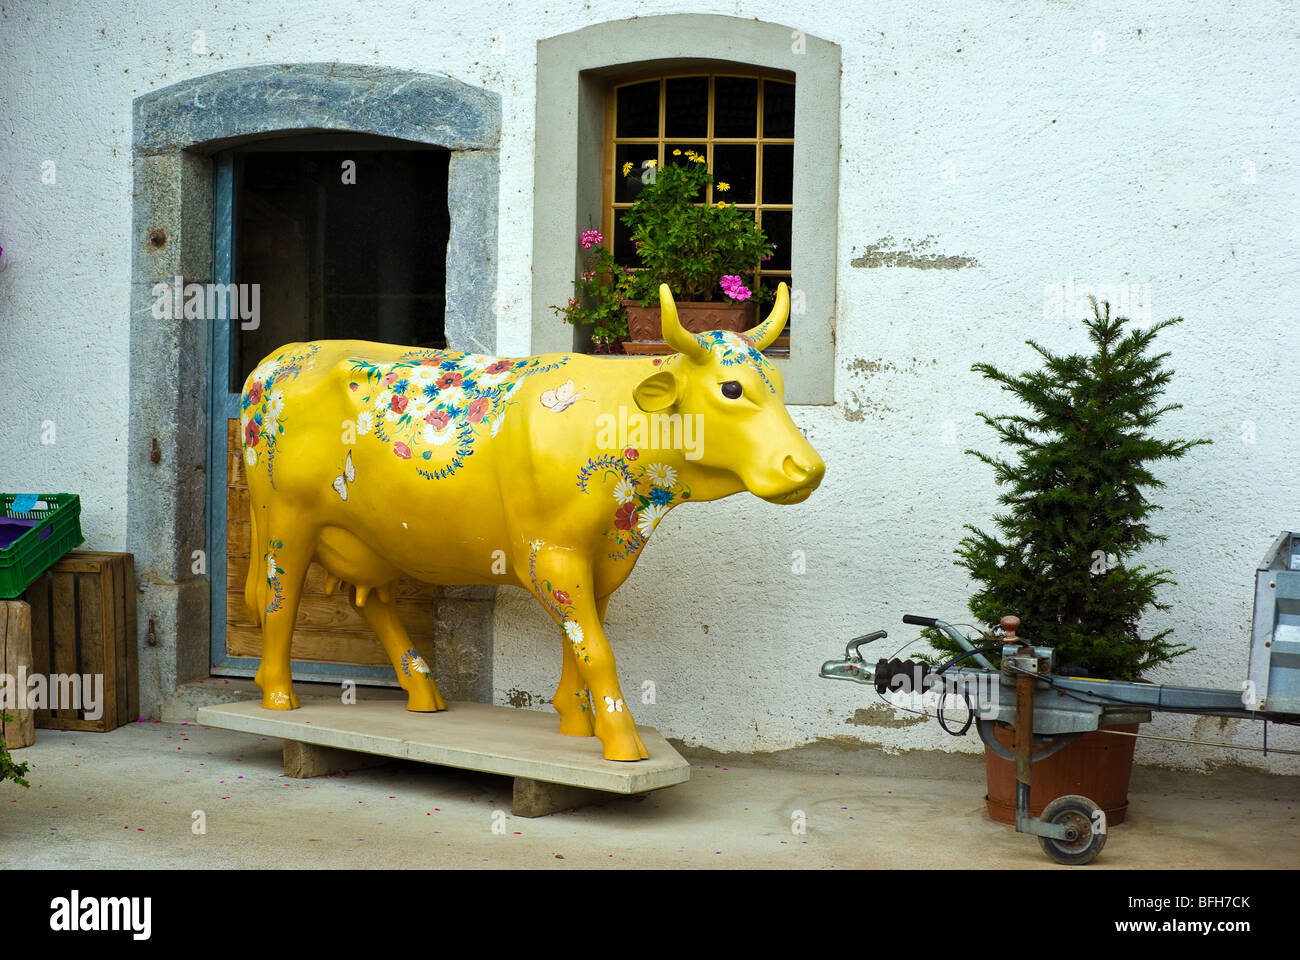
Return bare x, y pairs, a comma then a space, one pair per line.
284, 561
415, 676
563, 585
572, 701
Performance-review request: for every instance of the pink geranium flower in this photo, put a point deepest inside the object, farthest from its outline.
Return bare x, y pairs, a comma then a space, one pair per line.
734, 288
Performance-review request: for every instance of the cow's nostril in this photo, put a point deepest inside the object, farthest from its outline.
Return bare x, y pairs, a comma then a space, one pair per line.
795, 470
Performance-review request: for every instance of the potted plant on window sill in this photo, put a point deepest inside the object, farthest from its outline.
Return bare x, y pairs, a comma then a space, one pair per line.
1076, 515
702, 251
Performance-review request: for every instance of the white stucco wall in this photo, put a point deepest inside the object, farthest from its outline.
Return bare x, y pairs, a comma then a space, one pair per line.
1045, 142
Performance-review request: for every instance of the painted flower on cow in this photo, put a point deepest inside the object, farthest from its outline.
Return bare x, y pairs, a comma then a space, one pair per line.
650, 518
432, 406
573, 629
262, 408
562, 596
662, 475
734, 349
644, 495
625, 517
273, 573
413, 662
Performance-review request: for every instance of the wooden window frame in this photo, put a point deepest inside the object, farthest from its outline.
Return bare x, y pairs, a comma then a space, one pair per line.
611, 141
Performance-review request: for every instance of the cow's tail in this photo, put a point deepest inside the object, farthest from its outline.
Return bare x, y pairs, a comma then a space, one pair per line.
256, 581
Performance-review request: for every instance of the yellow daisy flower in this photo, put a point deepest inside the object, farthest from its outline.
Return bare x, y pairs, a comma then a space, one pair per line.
722, 205
651, 163
723, 187
699, 159
627, 168
677, 153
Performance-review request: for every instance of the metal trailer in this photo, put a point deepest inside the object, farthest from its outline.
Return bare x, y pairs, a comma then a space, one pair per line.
1049, 711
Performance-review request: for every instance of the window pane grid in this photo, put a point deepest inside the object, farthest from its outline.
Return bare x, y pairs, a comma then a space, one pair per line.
663, 143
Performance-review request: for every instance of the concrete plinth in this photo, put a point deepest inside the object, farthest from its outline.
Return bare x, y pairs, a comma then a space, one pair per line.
552, 772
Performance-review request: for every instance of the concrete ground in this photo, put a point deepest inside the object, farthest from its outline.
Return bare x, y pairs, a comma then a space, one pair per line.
128, 799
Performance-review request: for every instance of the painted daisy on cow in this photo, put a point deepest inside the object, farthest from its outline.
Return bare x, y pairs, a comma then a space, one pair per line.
434, 406
273, 573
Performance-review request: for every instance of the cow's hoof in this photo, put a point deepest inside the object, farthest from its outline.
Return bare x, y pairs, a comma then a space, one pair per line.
577, 724
282, 699
625, 746
425, 698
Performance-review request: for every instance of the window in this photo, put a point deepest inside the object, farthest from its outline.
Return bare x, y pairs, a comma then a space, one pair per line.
574, 133
743, 125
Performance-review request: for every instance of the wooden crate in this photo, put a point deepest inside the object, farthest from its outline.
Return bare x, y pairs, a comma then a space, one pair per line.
15, 654
83, 621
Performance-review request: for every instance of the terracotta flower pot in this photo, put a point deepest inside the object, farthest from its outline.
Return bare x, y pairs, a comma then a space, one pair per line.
1097, 766
645, 332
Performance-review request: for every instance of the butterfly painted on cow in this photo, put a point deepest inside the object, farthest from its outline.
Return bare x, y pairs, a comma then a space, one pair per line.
349, 475
561, 398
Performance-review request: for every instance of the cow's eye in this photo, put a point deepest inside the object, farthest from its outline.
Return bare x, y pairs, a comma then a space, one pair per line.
732, 390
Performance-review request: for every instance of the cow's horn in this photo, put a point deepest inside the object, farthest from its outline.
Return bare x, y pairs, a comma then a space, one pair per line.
767, 331
680, 340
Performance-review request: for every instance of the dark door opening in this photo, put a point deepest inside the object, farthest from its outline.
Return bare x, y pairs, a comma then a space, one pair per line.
345, 237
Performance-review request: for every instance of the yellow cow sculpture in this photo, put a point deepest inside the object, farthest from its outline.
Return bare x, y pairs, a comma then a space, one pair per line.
548, 472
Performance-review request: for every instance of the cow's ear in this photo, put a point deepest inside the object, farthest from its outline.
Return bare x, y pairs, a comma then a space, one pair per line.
656, 392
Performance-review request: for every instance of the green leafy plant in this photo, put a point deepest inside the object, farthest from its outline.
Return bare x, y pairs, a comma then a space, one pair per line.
1076, 510
689, 245
8, 769
702, 251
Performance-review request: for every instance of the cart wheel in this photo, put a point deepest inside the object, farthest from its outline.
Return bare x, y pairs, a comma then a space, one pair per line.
1087, 825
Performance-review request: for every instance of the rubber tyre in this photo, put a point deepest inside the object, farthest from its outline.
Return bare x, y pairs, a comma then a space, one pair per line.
1082, 814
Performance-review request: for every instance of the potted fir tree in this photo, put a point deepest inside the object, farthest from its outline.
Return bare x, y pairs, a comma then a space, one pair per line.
704, 252
1076, 516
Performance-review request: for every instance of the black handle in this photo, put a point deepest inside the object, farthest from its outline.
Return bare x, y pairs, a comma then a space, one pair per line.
918, 621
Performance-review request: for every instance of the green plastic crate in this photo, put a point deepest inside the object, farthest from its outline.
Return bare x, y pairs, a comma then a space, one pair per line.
35, 551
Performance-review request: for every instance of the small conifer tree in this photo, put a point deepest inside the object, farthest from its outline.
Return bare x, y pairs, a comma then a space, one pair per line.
1076, 513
